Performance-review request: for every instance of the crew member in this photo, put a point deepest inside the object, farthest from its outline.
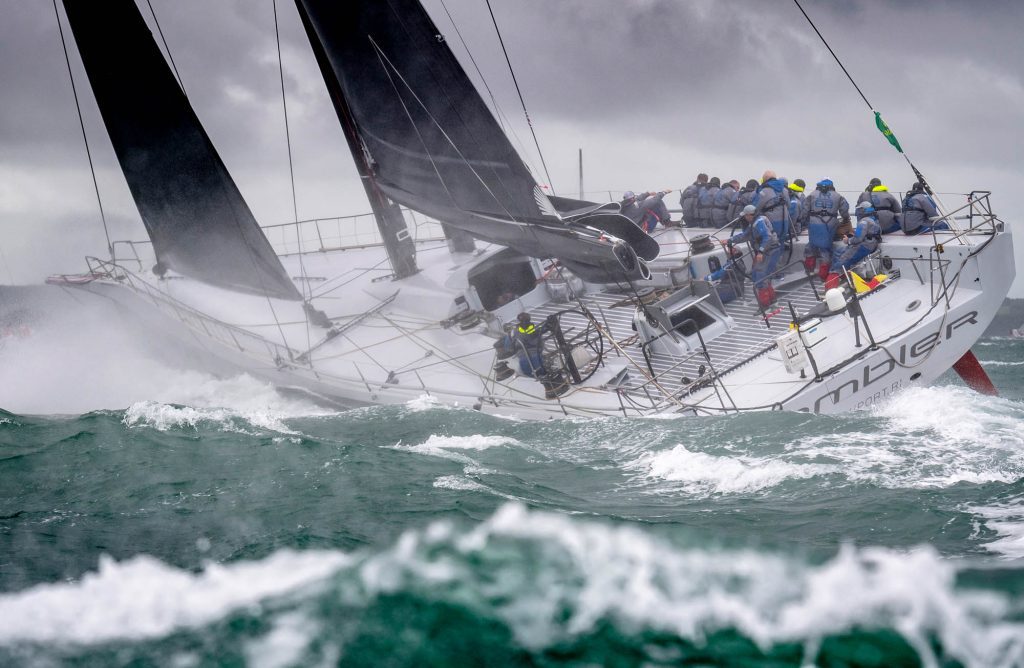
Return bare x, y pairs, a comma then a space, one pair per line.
688, 200
654, 211
723, 202
821, 211
744, 197
886, 205
863, 242
629, 208
760, 233
918, 210
796, 200
706, 202
529, 344
772, 202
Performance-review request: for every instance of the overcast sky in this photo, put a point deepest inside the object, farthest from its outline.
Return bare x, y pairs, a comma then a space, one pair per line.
653, 91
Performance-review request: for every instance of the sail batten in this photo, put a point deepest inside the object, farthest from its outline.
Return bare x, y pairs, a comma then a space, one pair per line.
192, 210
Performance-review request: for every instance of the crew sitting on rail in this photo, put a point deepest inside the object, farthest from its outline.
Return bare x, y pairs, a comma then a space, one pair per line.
760, 233
861, 243
918, 210
529, 344
886, 206
688, 199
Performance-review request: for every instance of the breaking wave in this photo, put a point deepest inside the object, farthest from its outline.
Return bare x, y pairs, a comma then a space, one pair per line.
524, 584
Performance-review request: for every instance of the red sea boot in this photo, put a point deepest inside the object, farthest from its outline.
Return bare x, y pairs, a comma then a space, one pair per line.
764, 297
832, 281
823, 270
809, 263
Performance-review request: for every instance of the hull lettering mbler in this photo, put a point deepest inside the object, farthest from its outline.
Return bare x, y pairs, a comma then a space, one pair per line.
872, 373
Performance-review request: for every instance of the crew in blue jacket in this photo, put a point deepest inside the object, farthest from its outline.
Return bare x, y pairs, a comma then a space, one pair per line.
772, 202
822, 211
862, 243
918, 210
760, 233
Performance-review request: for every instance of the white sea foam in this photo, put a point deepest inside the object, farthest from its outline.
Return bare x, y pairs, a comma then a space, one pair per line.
424, 402
144, 598
453, 447
701, 474
931, 437
1000, 363
1007, 520
460, 483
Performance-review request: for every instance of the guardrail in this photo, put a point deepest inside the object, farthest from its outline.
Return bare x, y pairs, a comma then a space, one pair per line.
343, 232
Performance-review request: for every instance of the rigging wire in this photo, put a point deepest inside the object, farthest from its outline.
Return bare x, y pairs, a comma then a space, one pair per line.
85, 138
917, 172
499, 114
306, 287
521, 100
167, 48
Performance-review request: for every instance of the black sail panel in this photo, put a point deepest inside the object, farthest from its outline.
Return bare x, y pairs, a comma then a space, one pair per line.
434, 142
199, 224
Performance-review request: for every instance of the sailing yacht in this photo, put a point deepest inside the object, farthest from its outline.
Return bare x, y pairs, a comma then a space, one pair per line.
629, 323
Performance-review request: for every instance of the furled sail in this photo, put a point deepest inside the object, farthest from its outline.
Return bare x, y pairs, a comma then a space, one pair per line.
199, 224
433, 143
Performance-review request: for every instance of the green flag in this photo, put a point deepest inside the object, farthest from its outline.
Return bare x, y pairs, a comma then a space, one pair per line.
884, 129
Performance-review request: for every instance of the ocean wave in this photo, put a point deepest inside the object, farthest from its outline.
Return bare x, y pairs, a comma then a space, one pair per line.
1006, 519
144, 598
703, 474
166, 417
550, 583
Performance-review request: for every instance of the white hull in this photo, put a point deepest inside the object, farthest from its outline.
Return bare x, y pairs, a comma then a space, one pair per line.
392, 348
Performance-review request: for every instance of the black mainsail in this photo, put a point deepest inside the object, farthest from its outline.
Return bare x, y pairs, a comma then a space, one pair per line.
199, 224
435, 147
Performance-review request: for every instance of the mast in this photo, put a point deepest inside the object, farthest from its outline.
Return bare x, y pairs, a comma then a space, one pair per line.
391, 223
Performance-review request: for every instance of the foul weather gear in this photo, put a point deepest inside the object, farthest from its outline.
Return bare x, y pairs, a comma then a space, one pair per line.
887, 207
918, 210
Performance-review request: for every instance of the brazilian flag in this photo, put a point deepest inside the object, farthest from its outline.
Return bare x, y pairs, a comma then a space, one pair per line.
884, 129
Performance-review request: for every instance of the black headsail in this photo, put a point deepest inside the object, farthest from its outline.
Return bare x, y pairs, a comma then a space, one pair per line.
192, 210
434, 146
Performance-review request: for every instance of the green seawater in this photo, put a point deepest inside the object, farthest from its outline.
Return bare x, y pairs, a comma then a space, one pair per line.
242, 528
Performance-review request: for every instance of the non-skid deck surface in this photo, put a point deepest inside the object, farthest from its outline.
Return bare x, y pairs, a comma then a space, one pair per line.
750, 337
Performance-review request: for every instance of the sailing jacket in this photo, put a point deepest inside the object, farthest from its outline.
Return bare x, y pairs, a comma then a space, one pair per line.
744, 197
653, 211
868, 234
705, 205
722, 204
887, 207
631, 210
688, 202
825, 206
918, 210
760, 233
772, 202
